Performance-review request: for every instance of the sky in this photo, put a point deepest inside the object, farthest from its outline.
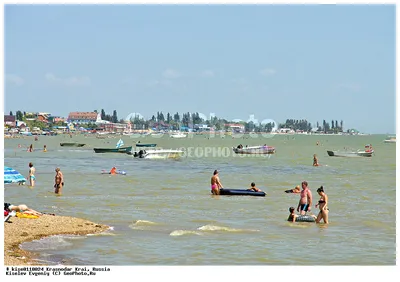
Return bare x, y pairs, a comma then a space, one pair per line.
313, 62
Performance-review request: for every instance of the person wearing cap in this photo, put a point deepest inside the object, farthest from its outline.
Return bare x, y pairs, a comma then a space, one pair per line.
215, 183
59, 181
305, 201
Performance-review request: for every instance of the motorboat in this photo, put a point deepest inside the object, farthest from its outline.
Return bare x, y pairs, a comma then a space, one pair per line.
254, 150
158, 154
367, 152
390, 139
178, 135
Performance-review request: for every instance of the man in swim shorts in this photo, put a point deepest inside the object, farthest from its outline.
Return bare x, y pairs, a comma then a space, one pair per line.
215, 183
305, 201
32, 177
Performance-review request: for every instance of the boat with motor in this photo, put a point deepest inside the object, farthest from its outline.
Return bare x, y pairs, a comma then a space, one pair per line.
367, 152
72, 144
158, 154
118, 148
178, 135
240, 192
113, 150
145, 145
390, 139
261, 150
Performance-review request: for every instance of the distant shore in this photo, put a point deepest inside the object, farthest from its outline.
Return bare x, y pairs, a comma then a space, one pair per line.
19, 230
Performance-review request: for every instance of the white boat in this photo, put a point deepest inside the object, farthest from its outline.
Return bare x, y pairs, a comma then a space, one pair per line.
158, 134
390, 139
159, 154
367, 152
178, 135
254, 150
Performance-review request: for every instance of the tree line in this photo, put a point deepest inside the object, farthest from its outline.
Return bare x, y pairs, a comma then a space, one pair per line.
176, 121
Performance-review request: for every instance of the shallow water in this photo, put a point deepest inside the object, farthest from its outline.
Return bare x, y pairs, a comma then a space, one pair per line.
162, 212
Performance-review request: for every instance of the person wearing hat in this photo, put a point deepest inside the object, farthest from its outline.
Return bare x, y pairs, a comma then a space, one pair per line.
59, 181
215, 183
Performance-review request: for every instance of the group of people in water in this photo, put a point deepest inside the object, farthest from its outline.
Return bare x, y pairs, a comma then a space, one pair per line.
30, 148
58, 179
304, 205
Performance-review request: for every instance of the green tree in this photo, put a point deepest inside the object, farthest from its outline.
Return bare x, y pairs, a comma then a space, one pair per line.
114, 117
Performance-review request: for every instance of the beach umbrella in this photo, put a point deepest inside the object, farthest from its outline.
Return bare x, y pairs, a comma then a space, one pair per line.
12, 176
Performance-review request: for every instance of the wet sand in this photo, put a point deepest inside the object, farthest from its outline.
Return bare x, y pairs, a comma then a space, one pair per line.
19, 230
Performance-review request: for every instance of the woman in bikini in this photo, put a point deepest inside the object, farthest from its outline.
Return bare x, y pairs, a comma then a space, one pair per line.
215, 183
323, 206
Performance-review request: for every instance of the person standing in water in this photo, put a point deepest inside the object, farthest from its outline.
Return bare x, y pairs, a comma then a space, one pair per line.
59, 181
315, 163
32, 177
215, 183
305, 201
44, 148
323, 206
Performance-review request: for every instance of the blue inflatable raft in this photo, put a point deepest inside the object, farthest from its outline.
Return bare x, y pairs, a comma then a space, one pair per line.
240, 192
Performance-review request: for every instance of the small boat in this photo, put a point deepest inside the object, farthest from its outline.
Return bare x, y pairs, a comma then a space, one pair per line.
240, 192
178, 135
158, 154
145, 145
113, 150
72, 144
367, 152
254, 150
390, 139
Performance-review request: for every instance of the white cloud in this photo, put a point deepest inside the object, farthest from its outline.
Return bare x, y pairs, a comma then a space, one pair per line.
14, 79
69, 81
267, 72
171, 73
208, 73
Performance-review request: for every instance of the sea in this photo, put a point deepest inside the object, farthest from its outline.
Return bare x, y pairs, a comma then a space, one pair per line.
162, 213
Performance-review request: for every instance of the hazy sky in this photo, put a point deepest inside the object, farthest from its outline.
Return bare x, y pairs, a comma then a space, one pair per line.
274, 62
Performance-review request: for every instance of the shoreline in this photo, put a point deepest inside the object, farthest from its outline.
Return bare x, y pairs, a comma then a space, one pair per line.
20, 230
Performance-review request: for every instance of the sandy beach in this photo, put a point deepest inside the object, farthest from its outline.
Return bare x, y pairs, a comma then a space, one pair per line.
19, 230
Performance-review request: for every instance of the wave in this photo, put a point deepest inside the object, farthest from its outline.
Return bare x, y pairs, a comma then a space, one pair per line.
223, 228
184, 232
142, 224
56, 242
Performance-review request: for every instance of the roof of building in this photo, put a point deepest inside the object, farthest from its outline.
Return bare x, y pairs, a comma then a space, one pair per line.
82, 115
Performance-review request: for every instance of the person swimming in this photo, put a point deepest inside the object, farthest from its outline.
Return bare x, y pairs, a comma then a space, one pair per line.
253, 187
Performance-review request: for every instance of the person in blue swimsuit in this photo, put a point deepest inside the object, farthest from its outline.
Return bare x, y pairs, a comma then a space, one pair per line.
32, 177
